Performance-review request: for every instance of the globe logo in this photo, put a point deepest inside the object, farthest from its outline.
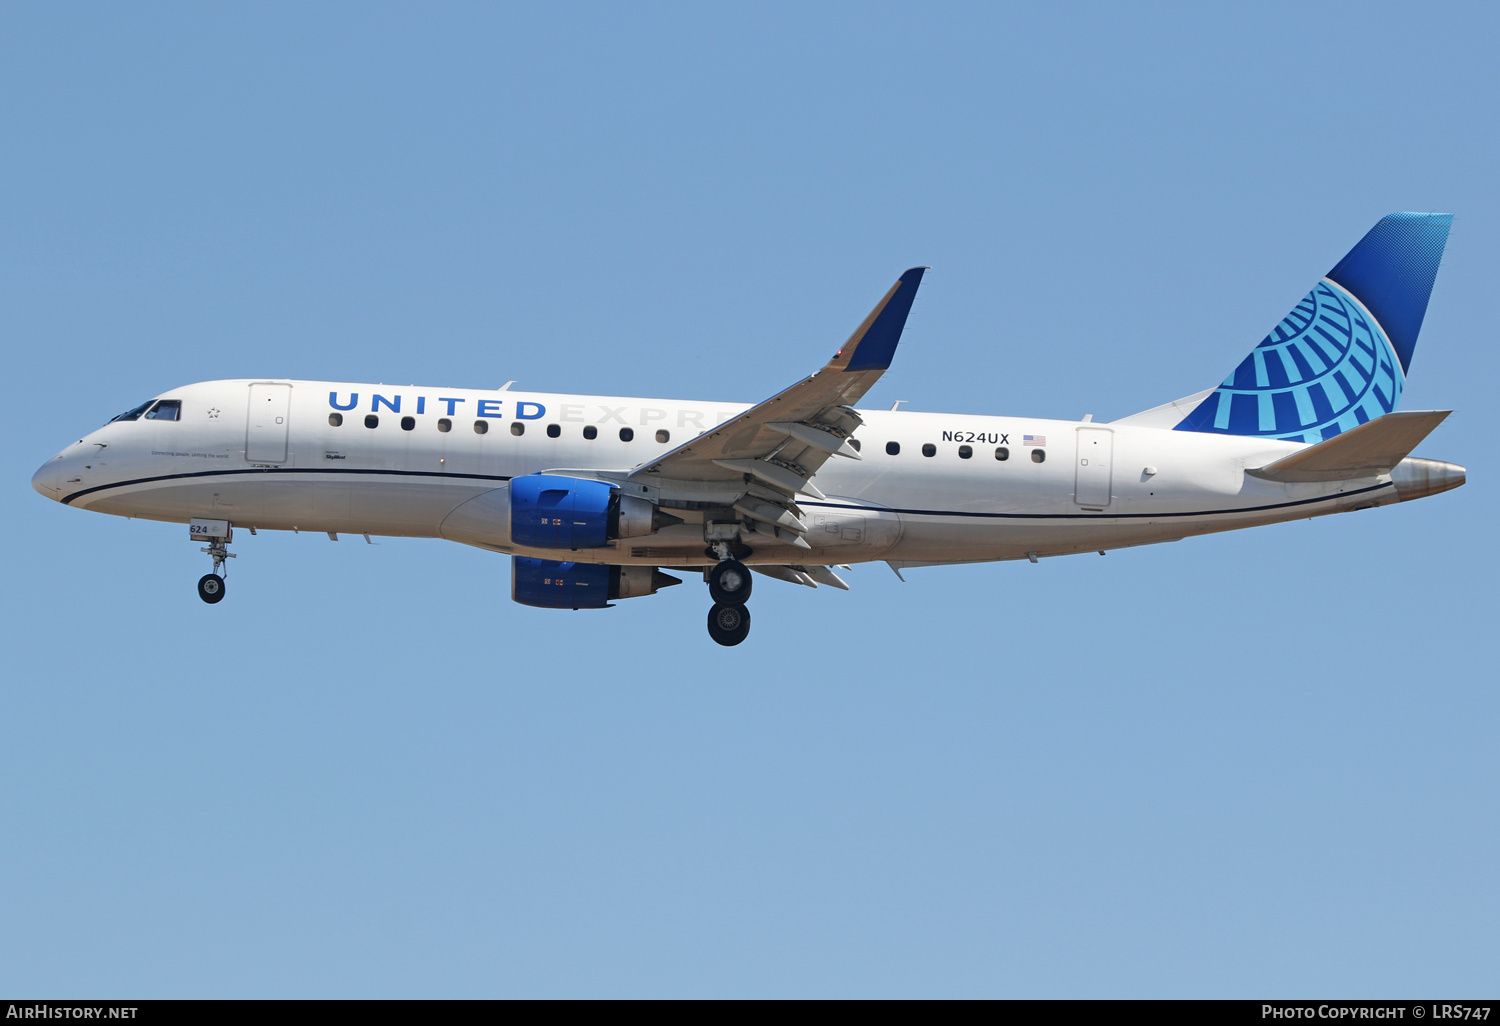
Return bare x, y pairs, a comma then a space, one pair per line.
1327, 367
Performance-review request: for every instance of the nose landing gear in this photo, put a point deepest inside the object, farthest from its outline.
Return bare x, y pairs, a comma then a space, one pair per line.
218, 534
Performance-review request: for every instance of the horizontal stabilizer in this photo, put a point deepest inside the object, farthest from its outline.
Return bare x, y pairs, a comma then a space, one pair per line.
1372, 449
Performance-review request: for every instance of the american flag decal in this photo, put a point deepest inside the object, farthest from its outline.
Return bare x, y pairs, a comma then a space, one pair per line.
1033, 439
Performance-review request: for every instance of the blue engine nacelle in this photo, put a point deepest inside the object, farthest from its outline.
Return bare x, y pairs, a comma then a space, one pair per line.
552, 512
553, 585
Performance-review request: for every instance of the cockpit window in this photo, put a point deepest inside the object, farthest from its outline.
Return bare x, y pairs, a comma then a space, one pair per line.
133, 414
167, 409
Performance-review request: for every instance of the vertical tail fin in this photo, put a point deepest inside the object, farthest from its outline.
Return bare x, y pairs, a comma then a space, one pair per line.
1339, 359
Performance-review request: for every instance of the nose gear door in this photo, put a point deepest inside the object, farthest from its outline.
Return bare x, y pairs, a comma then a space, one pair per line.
266, 427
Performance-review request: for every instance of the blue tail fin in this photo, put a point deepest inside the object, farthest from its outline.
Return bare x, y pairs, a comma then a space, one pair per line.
1340, 357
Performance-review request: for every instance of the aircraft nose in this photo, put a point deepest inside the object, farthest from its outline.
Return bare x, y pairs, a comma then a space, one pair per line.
45, 480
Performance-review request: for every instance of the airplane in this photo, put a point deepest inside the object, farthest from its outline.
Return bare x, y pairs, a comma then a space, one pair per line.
596, 497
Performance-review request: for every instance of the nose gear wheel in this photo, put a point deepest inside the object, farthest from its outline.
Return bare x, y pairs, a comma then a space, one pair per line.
211, 588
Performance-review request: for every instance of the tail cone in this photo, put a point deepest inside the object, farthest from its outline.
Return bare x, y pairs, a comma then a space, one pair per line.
1415, 478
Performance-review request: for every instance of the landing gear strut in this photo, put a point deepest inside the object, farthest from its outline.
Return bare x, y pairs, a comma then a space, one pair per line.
218, 534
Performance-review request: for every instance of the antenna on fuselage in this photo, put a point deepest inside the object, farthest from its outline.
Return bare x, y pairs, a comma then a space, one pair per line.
506, 387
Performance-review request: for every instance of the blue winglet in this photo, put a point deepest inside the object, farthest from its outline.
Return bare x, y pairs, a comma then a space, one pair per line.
876, 347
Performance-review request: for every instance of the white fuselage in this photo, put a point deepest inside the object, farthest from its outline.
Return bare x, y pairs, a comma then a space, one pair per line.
280, 463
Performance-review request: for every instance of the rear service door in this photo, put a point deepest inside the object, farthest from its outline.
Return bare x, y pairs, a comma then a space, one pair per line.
266, 428
1095, 454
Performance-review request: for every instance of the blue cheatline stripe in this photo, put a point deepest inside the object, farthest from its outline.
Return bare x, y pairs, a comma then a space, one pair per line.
286, 470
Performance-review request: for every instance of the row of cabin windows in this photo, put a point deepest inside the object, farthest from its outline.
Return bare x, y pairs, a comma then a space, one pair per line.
481, 427
966, 452
1002, 453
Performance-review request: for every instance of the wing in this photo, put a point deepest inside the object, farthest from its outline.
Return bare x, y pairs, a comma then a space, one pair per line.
769, 453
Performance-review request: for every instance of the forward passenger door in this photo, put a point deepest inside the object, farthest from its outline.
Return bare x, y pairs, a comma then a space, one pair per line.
267, 424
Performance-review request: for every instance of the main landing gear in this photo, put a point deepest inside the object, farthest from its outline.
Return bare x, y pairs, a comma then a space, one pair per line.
729, 585
728, 625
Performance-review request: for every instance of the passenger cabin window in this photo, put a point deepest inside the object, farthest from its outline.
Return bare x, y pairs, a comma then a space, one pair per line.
893, 448
553, 430
591, 432
1039, 455
408, 423
445, 425
335, 420
132, 414
928, 449
663, 436
854, 442
965, 452
517, 428
627, 434
371, 420
1002, 454
481, 426
167, 409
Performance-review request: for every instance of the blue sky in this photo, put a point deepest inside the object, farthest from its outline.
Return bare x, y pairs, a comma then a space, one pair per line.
1261, 763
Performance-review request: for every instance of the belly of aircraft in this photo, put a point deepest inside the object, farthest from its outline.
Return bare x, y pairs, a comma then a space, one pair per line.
387, 505
844, 529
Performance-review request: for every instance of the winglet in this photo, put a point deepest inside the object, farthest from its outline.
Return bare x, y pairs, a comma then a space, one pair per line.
873, 344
